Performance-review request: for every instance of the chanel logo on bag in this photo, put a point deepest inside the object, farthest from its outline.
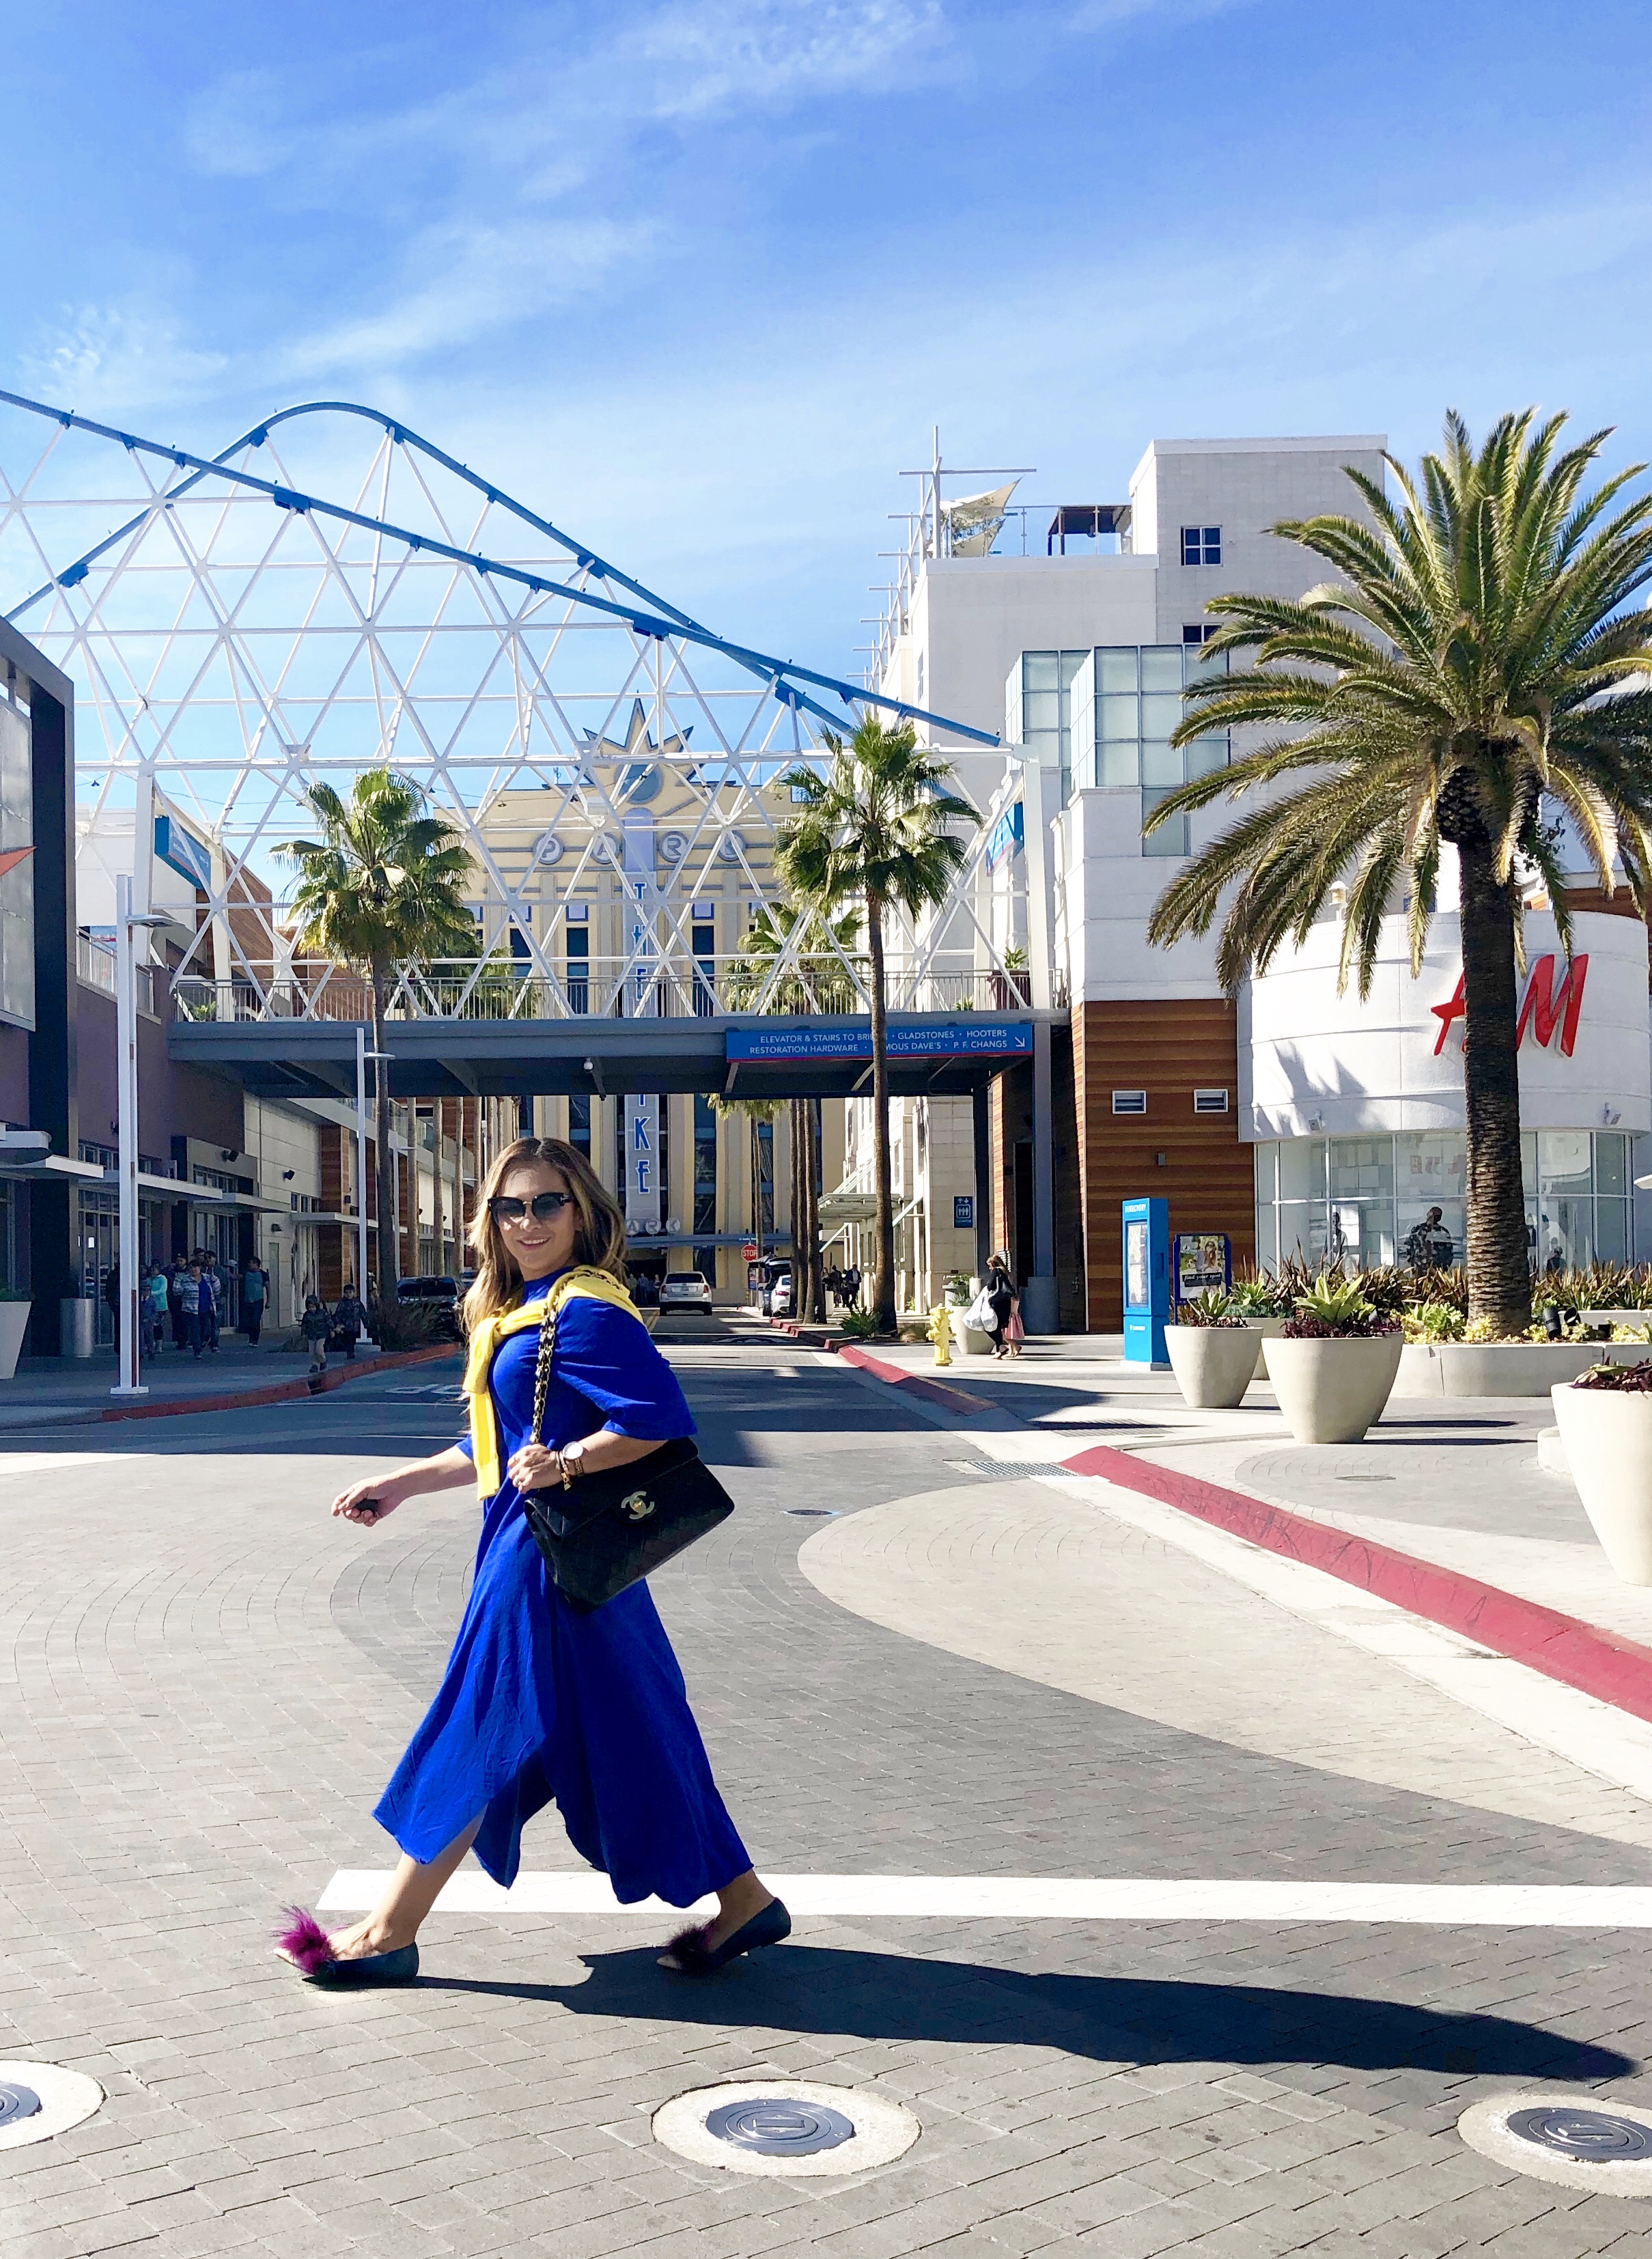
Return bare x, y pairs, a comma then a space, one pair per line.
638, 1506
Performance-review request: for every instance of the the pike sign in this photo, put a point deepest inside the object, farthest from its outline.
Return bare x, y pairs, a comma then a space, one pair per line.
1543, 1007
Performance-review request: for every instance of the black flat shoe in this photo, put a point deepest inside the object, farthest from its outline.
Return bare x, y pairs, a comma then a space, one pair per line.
398, 1967
305, 1946
691, 1959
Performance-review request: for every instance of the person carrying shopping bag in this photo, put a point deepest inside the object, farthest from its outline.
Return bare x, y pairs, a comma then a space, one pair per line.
1000, 1290
543, 1700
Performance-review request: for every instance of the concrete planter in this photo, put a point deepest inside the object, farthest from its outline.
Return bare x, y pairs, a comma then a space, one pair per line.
976, 1344
1330, 1392
14, 1323
1607, 1440
1214, 1365
1503, 1368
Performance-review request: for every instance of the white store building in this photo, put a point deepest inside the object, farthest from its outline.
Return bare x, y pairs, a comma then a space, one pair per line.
1292, 1117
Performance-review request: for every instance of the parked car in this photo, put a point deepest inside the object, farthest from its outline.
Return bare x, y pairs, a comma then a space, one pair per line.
780, 1298
442, 1294
686, 1290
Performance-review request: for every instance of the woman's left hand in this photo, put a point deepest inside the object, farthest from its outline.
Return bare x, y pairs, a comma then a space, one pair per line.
534, 1467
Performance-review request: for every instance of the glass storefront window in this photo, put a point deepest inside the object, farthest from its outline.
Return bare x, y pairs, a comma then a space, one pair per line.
1611, 1162
1302, 1168
1564, 1161
1365, 1202
1361, 1168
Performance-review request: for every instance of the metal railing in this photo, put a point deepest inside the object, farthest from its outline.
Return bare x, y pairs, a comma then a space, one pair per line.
97, 965
696, 987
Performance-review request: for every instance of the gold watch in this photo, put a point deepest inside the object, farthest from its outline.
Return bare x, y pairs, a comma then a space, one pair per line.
569, 1463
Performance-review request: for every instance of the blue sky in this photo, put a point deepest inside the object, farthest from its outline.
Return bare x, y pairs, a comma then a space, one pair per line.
696, 279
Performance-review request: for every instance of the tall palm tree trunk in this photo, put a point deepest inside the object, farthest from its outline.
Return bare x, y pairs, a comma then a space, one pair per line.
1499, 1271
883, 1285
385, 1252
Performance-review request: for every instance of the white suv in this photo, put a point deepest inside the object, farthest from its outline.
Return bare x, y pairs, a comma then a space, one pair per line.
686, 1290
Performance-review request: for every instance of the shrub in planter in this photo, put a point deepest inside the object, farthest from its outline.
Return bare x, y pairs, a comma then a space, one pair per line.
859, 1325
1333, 1367
1432, 1322
1213, 1352
1604, 1418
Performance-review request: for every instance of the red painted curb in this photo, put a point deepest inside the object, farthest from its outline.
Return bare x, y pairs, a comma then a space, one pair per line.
933, 1392
278, 1392
1599, 1662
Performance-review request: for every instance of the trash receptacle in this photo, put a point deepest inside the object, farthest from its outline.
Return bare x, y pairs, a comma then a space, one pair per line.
79, 1320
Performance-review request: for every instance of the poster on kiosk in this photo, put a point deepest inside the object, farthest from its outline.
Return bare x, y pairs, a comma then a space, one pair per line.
1146, 1281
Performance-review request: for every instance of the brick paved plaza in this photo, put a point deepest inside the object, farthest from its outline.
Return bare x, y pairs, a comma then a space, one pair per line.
903, 1666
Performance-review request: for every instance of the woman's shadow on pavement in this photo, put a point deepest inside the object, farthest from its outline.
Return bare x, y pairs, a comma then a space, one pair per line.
869, 1995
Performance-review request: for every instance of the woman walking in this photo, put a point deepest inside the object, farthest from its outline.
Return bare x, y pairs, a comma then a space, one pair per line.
539, 1702
1000, 1296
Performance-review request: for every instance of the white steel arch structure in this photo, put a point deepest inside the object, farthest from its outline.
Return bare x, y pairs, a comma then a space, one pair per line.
330, 592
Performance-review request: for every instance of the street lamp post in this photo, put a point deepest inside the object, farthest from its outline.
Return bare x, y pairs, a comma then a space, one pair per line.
362, 1056
126, 923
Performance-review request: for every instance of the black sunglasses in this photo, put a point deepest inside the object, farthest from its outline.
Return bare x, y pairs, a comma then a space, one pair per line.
505, 1207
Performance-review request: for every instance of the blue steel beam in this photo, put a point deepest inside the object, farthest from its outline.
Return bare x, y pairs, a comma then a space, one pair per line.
784, 675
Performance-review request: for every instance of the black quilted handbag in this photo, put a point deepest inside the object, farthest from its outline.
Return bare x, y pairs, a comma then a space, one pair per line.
611, 1527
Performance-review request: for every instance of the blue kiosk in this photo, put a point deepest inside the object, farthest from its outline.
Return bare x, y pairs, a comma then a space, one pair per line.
1147, 1282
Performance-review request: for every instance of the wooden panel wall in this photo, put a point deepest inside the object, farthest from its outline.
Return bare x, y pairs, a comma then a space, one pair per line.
1169, 1048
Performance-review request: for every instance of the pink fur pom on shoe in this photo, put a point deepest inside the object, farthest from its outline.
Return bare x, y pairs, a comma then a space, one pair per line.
305, 1942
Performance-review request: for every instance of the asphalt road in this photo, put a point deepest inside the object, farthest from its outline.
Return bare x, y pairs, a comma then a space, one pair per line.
209, 1680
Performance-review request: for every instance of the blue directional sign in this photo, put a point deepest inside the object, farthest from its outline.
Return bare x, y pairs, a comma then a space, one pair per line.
930, 1037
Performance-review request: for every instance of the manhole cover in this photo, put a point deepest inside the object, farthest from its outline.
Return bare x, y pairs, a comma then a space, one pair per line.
1600, 2135
1566, 2139
1361, 1478
786, 2129
38, 2099
814, 1513
776, 2127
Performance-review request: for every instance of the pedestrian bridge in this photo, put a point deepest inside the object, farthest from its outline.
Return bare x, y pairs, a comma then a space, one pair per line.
745, 1055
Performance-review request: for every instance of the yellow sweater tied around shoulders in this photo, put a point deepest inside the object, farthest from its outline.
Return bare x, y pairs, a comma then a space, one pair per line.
596, 1286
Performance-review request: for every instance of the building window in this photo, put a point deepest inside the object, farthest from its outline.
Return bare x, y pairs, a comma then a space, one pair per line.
765, 1131
1362, 1202
1127, 703
1038, 709
1200, 634
1201, 545
577, 941
1210, 1101
703, 939
1130, 1101
580, 1124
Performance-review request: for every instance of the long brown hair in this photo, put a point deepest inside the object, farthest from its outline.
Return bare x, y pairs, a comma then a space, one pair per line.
599, 1241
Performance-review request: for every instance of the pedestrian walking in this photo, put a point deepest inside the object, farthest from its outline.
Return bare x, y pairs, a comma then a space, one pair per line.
111, 1295
151, 1310
188, 1288
1000, 1296
347, 1319
539, 1702
254, 1295
315, 1325
211, 1301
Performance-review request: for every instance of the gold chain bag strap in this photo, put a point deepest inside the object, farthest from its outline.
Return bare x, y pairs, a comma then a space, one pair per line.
615, 1525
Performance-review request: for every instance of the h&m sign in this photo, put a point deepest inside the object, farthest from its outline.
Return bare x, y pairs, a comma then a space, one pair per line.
1544, 1007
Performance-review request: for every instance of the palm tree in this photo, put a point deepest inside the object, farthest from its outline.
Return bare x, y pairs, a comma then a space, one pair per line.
1465, 678
815, 982
872, 831
380, 887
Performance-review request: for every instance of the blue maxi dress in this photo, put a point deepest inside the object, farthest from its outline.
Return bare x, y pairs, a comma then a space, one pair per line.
540, 1704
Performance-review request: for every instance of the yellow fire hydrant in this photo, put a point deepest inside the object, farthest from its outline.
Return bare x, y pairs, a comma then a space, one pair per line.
941, 1333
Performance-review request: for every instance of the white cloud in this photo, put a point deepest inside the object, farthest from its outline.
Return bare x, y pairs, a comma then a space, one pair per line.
233, 128
751, 53
468, 282
103, 358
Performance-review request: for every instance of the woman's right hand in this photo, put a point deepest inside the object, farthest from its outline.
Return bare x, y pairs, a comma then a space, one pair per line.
367, 1502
